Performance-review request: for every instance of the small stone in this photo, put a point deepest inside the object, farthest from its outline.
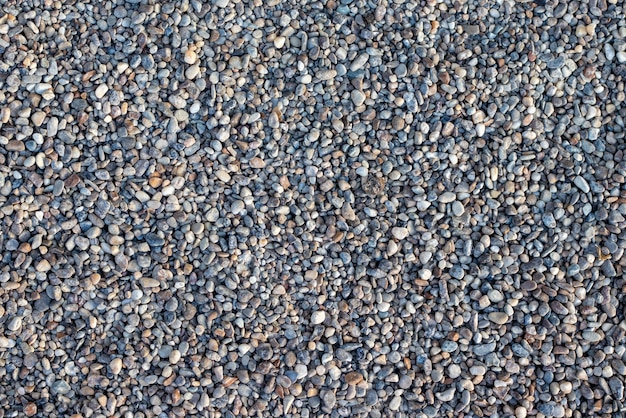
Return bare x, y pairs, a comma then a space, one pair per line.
279, 42
60, 387
115, 365
6, 342
359, 62
499, 318
395, 403
354, 378
608, 269
457, 208
257, 162
101, 90
328, 398
454, 371
30, 409
548, 220
154, 240
371, 397
447, 395
192, 72
43, 266
15, 145
37, 118
592, 336
325, 75
449, 346
484, 349
617, 387
546, 408
471, 29
399, 233
222, 175
447, 197
149, 283
14, 324
358, 97
237, 207
318, 317
582, 184
190, 56
478, 370
175, 356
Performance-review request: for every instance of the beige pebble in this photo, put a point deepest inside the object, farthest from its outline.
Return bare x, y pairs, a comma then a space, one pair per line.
101, 90
499, 318
38, 118
190, 56
115, 365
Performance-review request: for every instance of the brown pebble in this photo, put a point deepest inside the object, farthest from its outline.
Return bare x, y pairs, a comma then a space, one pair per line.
354, 378
30, 409
14, 145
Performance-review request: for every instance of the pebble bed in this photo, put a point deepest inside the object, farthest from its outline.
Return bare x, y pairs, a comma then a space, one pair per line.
339, 208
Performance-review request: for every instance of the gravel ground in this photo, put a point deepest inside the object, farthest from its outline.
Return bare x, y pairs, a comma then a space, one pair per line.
323, 208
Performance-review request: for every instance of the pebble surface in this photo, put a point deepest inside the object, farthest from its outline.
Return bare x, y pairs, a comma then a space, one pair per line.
342, 208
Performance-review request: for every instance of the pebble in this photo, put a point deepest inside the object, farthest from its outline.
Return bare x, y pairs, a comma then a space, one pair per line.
582, 184
358, 98
101, 90
447, 197
400, 233
115, 365
499, 318
371, 398
457, 208
318, 317
447, 395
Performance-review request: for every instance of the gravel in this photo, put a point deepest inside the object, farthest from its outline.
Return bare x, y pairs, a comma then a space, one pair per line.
342, 208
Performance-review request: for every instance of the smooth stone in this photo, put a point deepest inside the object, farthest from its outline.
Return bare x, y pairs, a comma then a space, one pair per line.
60, 387
457, 208
454, 371
14, 324
354, 378
115, 365
582, 184
446, 396
101, 90
359, 62
358, 97
318, 317
478, 370
399, 233
190, 56
484, 349
548, 220
449, 346
154, 240
592, 336
371, 397
499, 318
447, 197
325, 75
37, 118
328, 398
237, 207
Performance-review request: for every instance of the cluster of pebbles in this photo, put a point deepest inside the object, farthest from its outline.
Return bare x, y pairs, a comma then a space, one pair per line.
340, 208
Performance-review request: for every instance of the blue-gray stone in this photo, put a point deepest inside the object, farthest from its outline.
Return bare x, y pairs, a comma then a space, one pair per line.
484, 349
